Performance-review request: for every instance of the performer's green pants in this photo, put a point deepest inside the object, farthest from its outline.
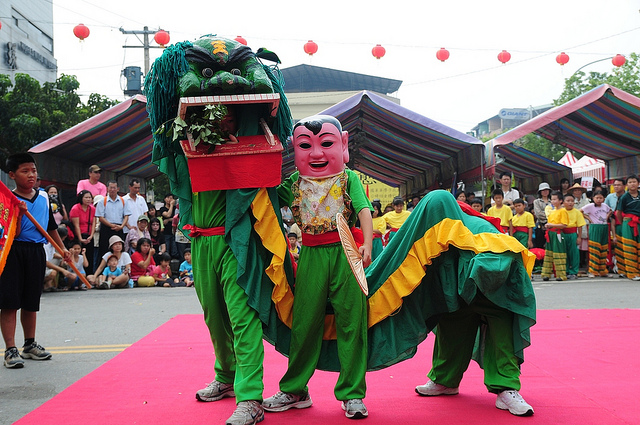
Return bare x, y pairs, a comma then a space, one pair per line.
236, 330
598, 249
324, 274
619, 251
523, 238
555, 255
376, 248
573, 253
455, 338
630, 248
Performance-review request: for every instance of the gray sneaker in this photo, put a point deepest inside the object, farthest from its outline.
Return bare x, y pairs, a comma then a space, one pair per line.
247, 413
433, 389
512, 401
285, 401
354, 409
215, 391
12, 359
35, 351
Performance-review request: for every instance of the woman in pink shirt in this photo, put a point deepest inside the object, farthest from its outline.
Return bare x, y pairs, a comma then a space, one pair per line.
82, 216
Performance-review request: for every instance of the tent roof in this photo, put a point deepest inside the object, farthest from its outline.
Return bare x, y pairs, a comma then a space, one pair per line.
119, 139
567, 159
530, 168
400, 147
604, 123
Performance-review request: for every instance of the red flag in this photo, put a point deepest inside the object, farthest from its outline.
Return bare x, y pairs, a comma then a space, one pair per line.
8, 222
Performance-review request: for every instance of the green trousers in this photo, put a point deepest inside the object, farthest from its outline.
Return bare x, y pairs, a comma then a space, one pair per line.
235, 328
555, 255
573, 253
324, 275
455, 338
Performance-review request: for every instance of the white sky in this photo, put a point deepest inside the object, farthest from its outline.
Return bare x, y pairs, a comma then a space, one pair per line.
466, 89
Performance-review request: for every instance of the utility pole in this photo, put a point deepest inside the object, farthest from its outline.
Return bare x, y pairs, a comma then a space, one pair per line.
145, 44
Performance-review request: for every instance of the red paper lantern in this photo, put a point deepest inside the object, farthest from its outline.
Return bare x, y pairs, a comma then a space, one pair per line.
618, 60
378, 51
562, 58
241, 40
81, 31
162, 37
310, 48
504, 56
442, 54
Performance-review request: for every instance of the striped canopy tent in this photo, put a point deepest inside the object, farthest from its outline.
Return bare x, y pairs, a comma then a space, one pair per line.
118, 139
603, 123
528, 168
589, 167
568, 159
402, 148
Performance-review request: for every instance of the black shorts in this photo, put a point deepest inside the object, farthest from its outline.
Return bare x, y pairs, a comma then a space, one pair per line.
22, 280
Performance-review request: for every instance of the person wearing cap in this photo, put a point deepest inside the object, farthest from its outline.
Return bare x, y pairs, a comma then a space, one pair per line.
539, 206
116, 247
93, 183
396, 218
140, 231
137, 204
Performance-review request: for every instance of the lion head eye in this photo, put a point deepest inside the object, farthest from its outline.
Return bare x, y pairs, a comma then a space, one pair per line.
207, 73
236, 71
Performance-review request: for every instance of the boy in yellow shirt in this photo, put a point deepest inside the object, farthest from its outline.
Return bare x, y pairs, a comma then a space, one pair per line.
501, 211
522, 224
572, 235
555, 254
396, 218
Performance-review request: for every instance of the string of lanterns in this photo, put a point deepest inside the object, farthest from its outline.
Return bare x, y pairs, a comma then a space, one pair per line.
310, 47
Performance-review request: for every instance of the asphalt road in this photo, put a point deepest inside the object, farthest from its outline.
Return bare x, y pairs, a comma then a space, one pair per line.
83, 330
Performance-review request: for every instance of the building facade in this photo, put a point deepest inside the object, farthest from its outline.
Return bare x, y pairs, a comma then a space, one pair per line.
26, 39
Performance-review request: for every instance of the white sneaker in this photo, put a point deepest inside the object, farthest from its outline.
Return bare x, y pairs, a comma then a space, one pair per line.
591, 275
354, 409
635, 279
247, 413
281, 401
433, 389
215, 391
512, 401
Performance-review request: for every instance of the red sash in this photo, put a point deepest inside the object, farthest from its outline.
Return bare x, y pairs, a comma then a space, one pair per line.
330, 237
197, 231
570, 230
524, 229
634, 220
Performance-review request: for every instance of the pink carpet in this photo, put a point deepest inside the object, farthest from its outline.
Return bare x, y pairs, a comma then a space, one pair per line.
583, 368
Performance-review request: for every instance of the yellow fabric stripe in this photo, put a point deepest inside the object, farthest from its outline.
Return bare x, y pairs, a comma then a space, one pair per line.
388, 298
266, 226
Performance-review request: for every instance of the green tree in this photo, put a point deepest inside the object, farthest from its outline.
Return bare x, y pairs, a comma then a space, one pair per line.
31, 113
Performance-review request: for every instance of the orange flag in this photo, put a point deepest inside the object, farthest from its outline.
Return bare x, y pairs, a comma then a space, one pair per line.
8, 222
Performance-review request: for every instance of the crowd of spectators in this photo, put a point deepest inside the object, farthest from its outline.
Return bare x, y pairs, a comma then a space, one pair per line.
103, 218
117, 240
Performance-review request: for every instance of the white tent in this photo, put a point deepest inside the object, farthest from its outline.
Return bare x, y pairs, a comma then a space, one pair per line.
589, 167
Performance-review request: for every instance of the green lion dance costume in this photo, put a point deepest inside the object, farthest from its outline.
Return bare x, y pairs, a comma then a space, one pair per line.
445, 269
